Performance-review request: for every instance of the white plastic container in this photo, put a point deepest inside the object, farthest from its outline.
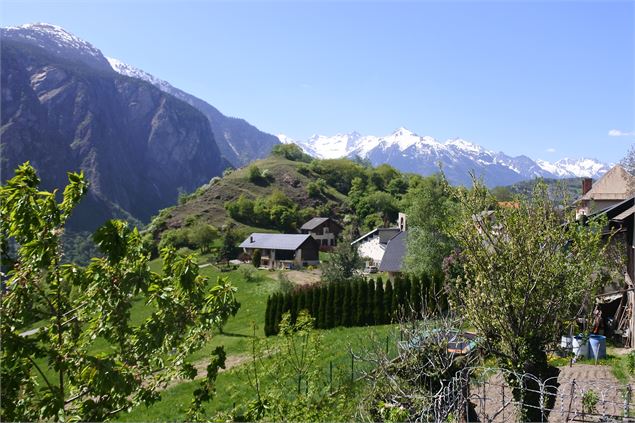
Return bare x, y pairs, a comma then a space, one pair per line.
580, 347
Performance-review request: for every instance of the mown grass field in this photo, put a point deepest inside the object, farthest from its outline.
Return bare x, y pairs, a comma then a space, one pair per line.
233, 386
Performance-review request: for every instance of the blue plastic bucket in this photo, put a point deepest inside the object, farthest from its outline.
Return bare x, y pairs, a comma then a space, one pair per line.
597, 346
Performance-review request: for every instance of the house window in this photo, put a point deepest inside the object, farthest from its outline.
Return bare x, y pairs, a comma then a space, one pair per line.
325, 242
326, 230
332, 242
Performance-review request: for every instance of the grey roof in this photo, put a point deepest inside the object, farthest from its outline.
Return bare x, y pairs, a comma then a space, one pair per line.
275, 241
394, 254
385, 234
314, 223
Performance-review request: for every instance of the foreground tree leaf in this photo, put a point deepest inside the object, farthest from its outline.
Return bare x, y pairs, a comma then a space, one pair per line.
62, 370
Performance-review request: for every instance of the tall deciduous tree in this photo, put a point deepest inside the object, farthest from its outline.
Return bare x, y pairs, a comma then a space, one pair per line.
524, 273
343, 263
53, 373
228, 249
432, 210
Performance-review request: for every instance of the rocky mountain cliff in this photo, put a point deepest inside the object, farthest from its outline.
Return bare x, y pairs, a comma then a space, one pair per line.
410, 152
64, 108
238, 141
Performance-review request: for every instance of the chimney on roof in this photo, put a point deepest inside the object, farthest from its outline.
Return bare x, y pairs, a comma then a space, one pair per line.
251, 238
587, 183
402, 222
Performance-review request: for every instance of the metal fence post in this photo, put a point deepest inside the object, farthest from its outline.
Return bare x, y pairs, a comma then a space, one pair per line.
627, 401
571, 398
503, 395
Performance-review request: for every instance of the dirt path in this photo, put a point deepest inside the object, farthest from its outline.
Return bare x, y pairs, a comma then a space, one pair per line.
307, 277
201, 367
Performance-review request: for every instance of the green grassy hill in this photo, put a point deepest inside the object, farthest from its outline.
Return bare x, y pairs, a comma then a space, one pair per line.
291, 178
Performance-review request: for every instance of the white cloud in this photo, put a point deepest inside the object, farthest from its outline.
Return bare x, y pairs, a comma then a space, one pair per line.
551, 150
618, 133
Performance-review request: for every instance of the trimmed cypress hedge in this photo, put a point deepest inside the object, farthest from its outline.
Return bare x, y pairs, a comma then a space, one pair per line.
358, 303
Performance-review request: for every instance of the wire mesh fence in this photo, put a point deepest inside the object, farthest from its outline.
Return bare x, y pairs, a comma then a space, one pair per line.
488, 394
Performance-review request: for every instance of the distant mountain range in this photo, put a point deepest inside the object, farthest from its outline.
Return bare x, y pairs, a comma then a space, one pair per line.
139, 140
425, 155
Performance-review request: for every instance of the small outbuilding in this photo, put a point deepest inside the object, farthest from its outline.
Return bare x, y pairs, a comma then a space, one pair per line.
611, 189
283, 251
324, 229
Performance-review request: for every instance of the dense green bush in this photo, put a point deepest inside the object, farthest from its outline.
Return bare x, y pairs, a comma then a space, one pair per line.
275, 211
253, 173
256, 258
199, 236
317, 188
338, 173
291, 152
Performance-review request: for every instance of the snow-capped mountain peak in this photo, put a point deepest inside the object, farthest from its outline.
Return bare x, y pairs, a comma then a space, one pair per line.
134, 72
568, 167
285, 139
55, 39
409, 152
464, 145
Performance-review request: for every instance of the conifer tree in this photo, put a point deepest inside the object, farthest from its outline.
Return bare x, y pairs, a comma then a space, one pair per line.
346, 305
388, 295
405, 292
315, 303
370, 301
300, 301
307, 294
279, 300
396, 298
268, 325
339, 300
378, 306
329, 320
354, 302
362, 303
322, 309
287, 305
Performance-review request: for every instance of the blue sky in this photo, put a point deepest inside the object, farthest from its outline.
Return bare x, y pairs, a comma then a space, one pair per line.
545, 79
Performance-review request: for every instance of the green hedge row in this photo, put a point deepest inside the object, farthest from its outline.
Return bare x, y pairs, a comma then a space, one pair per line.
358, 303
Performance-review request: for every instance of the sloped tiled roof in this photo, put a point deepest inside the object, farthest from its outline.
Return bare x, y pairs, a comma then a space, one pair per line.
275, 241
394, 254
314, 223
